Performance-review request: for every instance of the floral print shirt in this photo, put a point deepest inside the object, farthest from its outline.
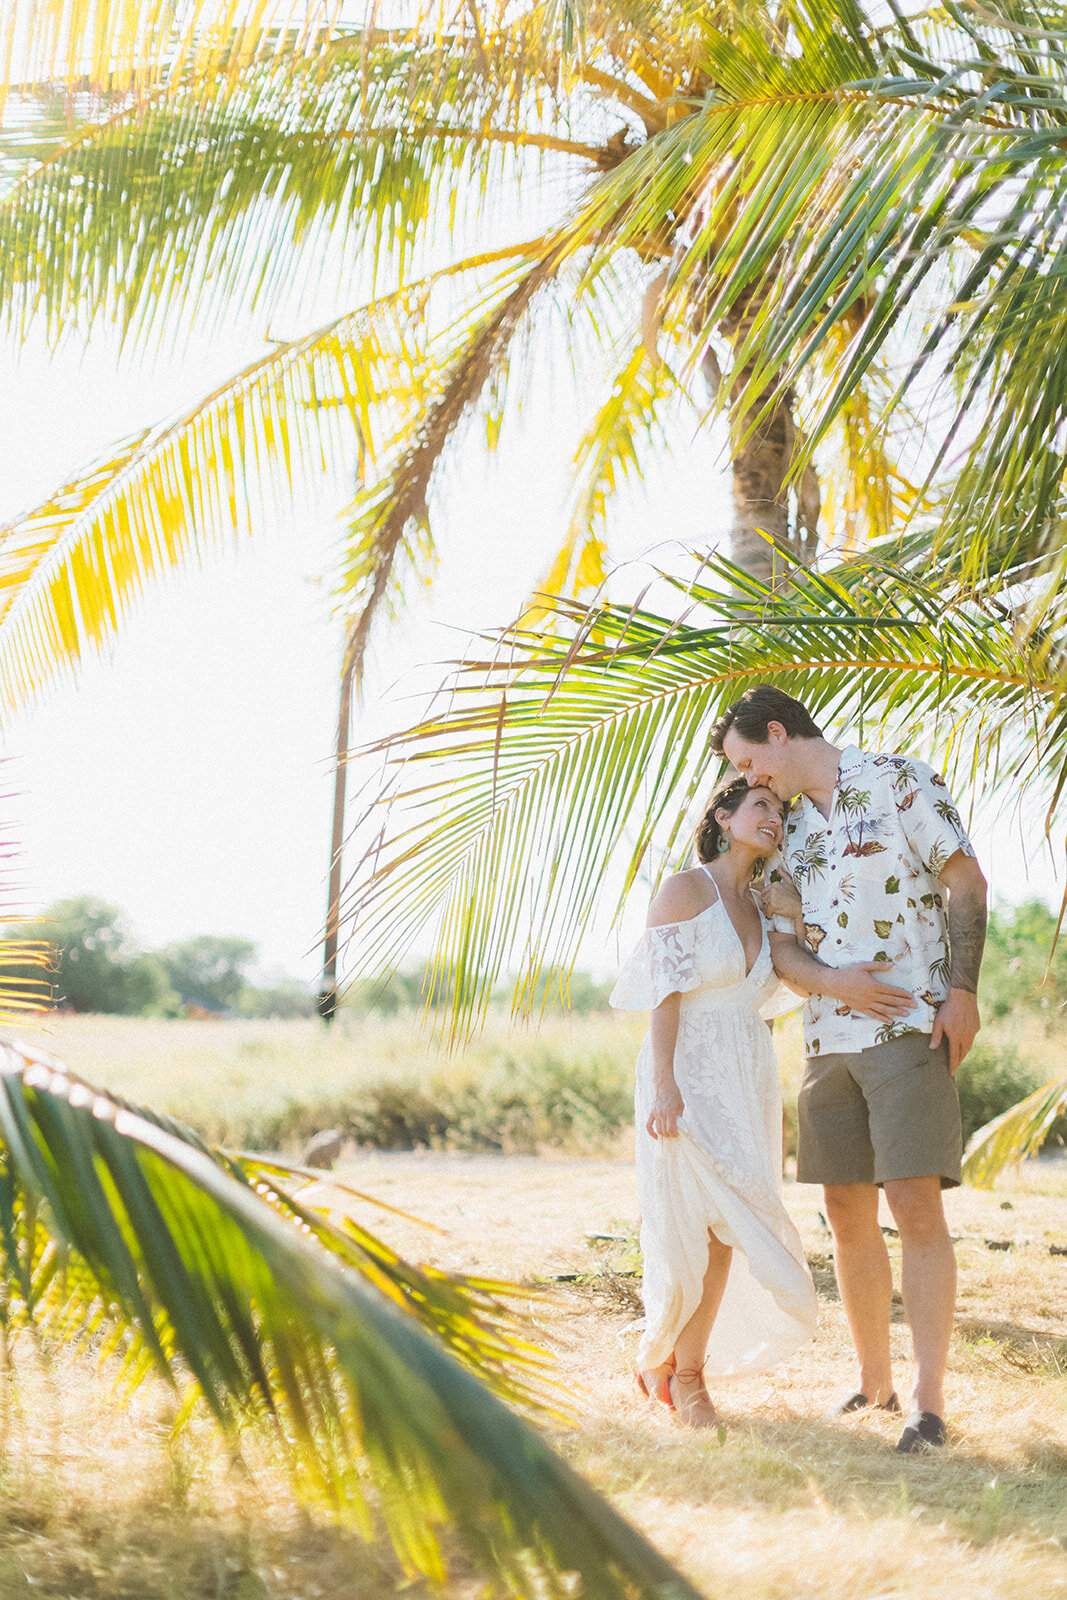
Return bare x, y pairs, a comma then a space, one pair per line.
869, 883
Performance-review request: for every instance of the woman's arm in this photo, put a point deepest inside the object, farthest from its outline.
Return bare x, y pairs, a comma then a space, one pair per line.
667, 1103
859, 985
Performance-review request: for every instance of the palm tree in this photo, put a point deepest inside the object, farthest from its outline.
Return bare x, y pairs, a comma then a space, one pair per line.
776, 185
912, 198
198, 170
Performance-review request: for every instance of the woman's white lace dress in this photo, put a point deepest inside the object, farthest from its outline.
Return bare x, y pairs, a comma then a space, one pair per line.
723, 1171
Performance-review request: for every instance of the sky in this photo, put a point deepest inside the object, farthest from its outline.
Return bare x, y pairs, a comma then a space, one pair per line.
186, 775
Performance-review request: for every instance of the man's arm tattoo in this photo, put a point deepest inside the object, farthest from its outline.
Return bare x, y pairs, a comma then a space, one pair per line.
966, 937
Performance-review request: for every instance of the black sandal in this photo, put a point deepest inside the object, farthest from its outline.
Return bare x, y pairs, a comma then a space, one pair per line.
924, 1431
859, 1402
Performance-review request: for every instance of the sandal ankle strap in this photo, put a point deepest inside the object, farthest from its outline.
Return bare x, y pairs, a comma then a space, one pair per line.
690, 1374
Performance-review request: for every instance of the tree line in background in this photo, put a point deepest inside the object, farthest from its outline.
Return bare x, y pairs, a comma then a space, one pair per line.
100, 968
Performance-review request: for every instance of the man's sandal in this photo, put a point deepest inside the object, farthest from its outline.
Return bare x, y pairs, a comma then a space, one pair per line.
924, 1430
859, 1402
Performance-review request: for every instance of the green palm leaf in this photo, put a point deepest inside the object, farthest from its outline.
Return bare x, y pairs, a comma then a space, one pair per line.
1017, 1133
113, 1219
354, 152
565, 765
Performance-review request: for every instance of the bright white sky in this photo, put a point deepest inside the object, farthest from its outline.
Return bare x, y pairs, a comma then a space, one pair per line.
186, 778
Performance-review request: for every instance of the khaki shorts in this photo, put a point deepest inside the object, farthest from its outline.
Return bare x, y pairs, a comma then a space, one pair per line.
888, 1112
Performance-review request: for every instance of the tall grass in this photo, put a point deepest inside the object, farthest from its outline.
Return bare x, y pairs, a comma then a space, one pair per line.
566, 1084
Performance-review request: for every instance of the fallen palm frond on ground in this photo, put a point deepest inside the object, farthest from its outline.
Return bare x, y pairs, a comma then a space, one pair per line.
117, 1225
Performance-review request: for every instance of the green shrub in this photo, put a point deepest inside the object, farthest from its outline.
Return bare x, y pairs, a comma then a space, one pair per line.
1025, 968
992, 1078
519, 1101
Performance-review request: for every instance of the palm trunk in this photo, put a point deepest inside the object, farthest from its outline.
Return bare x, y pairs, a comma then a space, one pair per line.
327, 998
766, 505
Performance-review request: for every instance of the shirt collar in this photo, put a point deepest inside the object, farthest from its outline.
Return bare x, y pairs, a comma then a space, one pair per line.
851, 761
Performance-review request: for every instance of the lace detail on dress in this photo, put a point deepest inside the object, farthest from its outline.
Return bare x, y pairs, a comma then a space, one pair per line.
724, 1173
676, 957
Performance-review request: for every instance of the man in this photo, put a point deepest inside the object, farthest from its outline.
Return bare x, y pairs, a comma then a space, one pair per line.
894, 915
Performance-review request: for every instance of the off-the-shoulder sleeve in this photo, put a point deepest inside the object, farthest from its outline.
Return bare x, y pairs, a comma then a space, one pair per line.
664, 962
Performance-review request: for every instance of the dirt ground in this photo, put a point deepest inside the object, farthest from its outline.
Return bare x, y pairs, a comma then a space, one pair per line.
787, 1504
100, 1501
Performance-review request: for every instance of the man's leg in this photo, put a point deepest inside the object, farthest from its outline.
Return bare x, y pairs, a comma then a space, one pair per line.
865, 1280
928, 1281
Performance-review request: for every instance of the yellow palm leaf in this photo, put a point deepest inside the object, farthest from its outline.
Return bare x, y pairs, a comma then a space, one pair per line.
609, 453
120, 47
1017, 1133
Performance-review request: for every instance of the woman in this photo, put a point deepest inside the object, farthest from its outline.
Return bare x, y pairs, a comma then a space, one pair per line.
726, 1286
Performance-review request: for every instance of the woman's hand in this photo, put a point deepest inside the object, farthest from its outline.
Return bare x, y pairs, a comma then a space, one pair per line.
779, 899
667, 1107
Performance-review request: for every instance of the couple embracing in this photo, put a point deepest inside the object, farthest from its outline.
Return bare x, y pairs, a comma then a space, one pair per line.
874, 910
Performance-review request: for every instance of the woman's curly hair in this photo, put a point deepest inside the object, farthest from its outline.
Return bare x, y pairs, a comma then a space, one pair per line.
728, 796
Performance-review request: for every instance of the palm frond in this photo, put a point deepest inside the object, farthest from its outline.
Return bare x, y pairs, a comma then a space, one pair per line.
1017, 1133
612, 450
126, 48
26, 966
112, 1220
391, 515
367, 151
565, 765
71, 569
853, 176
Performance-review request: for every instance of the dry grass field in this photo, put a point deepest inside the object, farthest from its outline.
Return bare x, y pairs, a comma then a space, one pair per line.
97, 1500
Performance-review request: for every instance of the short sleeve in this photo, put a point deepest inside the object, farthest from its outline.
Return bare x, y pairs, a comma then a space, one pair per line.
664, 962
929, 819
774, 871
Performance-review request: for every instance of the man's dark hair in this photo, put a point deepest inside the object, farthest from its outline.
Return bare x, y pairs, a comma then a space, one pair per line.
757, 707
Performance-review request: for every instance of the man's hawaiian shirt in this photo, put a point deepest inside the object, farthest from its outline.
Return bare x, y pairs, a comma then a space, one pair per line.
869, 882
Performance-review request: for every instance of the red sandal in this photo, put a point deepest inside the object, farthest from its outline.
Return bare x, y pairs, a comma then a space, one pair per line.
663, 1394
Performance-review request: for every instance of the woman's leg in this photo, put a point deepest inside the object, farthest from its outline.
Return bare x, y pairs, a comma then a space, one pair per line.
690, 1397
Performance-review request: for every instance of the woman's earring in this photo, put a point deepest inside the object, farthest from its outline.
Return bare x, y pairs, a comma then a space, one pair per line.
724, 843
